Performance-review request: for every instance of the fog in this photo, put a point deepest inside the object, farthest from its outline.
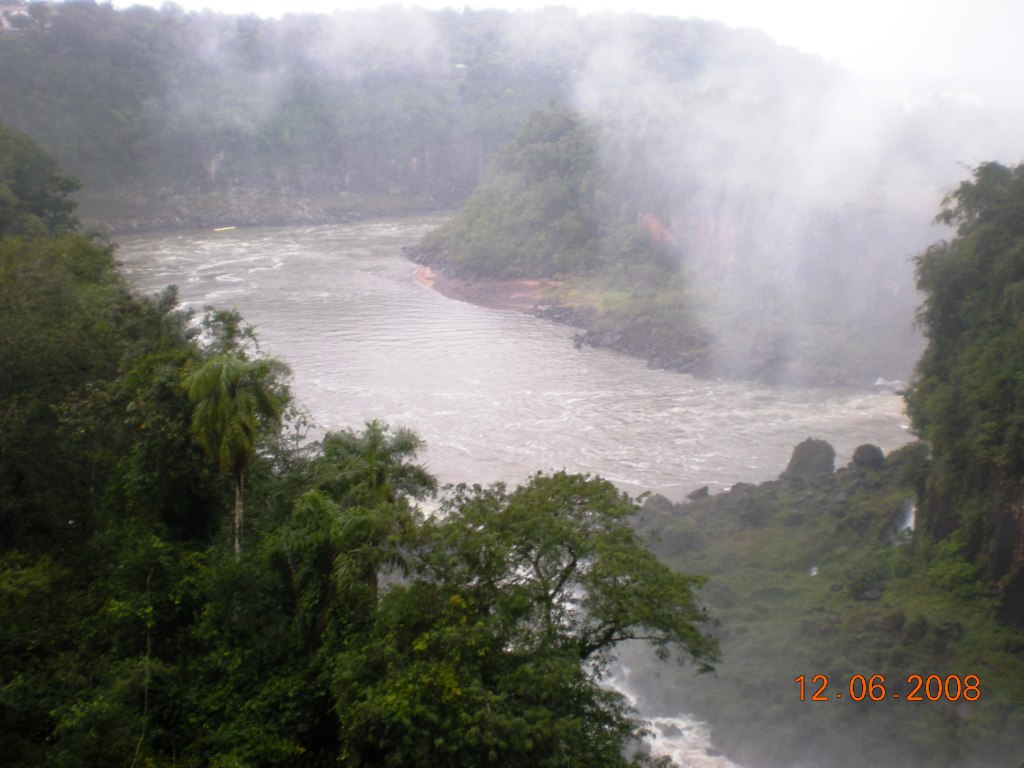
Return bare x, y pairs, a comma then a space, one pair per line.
797, 190
794, 189
790, 188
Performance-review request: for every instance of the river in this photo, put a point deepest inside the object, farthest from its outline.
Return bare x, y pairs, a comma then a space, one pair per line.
497, 395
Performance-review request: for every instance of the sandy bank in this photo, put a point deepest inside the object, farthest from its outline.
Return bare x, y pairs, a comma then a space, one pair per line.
515, 295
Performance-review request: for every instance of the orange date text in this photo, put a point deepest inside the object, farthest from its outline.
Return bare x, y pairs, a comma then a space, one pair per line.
875, 688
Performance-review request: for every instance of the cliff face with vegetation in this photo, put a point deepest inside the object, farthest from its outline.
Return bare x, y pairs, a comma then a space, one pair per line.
819, 573
968, 397
175, 119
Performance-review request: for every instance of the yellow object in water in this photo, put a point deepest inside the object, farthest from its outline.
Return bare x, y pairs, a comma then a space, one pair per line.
222, 229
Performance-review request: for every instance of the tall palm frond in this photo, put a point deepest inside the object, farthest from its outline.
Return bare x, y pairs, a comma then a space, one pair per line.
235, 400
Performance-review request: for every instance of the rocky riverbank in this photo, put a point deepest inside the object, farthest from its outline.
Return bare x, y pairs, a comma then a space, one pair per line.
819, 573
815, 356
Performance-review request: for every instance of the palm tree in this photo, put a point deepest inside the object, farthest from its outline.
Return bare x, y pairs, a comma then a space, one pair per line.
371, 475
352, 524
373, 467
235, 400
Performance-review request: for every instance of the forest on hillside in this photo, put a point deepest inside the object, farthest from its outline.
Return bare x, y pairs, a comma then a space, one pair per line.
164, 102
414, 102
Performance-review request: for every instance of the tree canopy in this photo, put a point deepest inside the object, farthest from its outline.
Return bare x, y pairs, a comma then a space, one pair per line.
33, 195
547, 207
493, 648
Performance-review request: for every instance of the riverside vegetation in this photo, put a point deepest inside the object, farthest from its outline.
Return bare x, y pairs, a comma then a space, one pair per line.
810, 574
175, 119
330, 621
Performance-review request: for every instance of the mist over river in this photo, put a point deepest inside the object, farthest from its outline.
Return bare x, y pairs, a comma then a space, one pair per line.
497, 395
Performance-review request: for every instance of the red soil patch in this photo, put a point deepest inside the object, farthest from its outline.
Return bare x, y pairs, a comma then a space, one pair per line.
515, 295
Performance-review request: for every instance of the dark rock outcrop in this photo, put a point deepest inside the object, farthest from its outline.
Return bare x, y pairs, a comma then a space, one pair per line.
813, 458
657, 503
868, 456
700, 493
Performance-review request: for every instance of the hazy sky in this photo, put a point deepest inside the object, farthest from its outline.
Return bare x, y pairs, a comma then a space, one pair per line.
950, 45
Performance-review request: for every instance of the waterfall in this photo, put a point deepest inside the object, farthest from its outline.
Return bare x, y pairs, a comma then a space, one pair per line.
680, 737
907, 518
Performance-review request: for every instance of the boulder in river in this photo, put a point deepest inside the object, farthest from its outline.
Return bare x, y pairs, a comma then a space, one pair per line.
868, 456
812, 458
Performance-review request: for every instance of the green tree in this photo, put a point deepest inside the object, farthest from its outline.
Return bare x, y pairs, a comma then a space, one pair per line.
236, 401
559, 559
372, 475
492, 650
373, 466
33, 195
354, 524
273, 623
540, 210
